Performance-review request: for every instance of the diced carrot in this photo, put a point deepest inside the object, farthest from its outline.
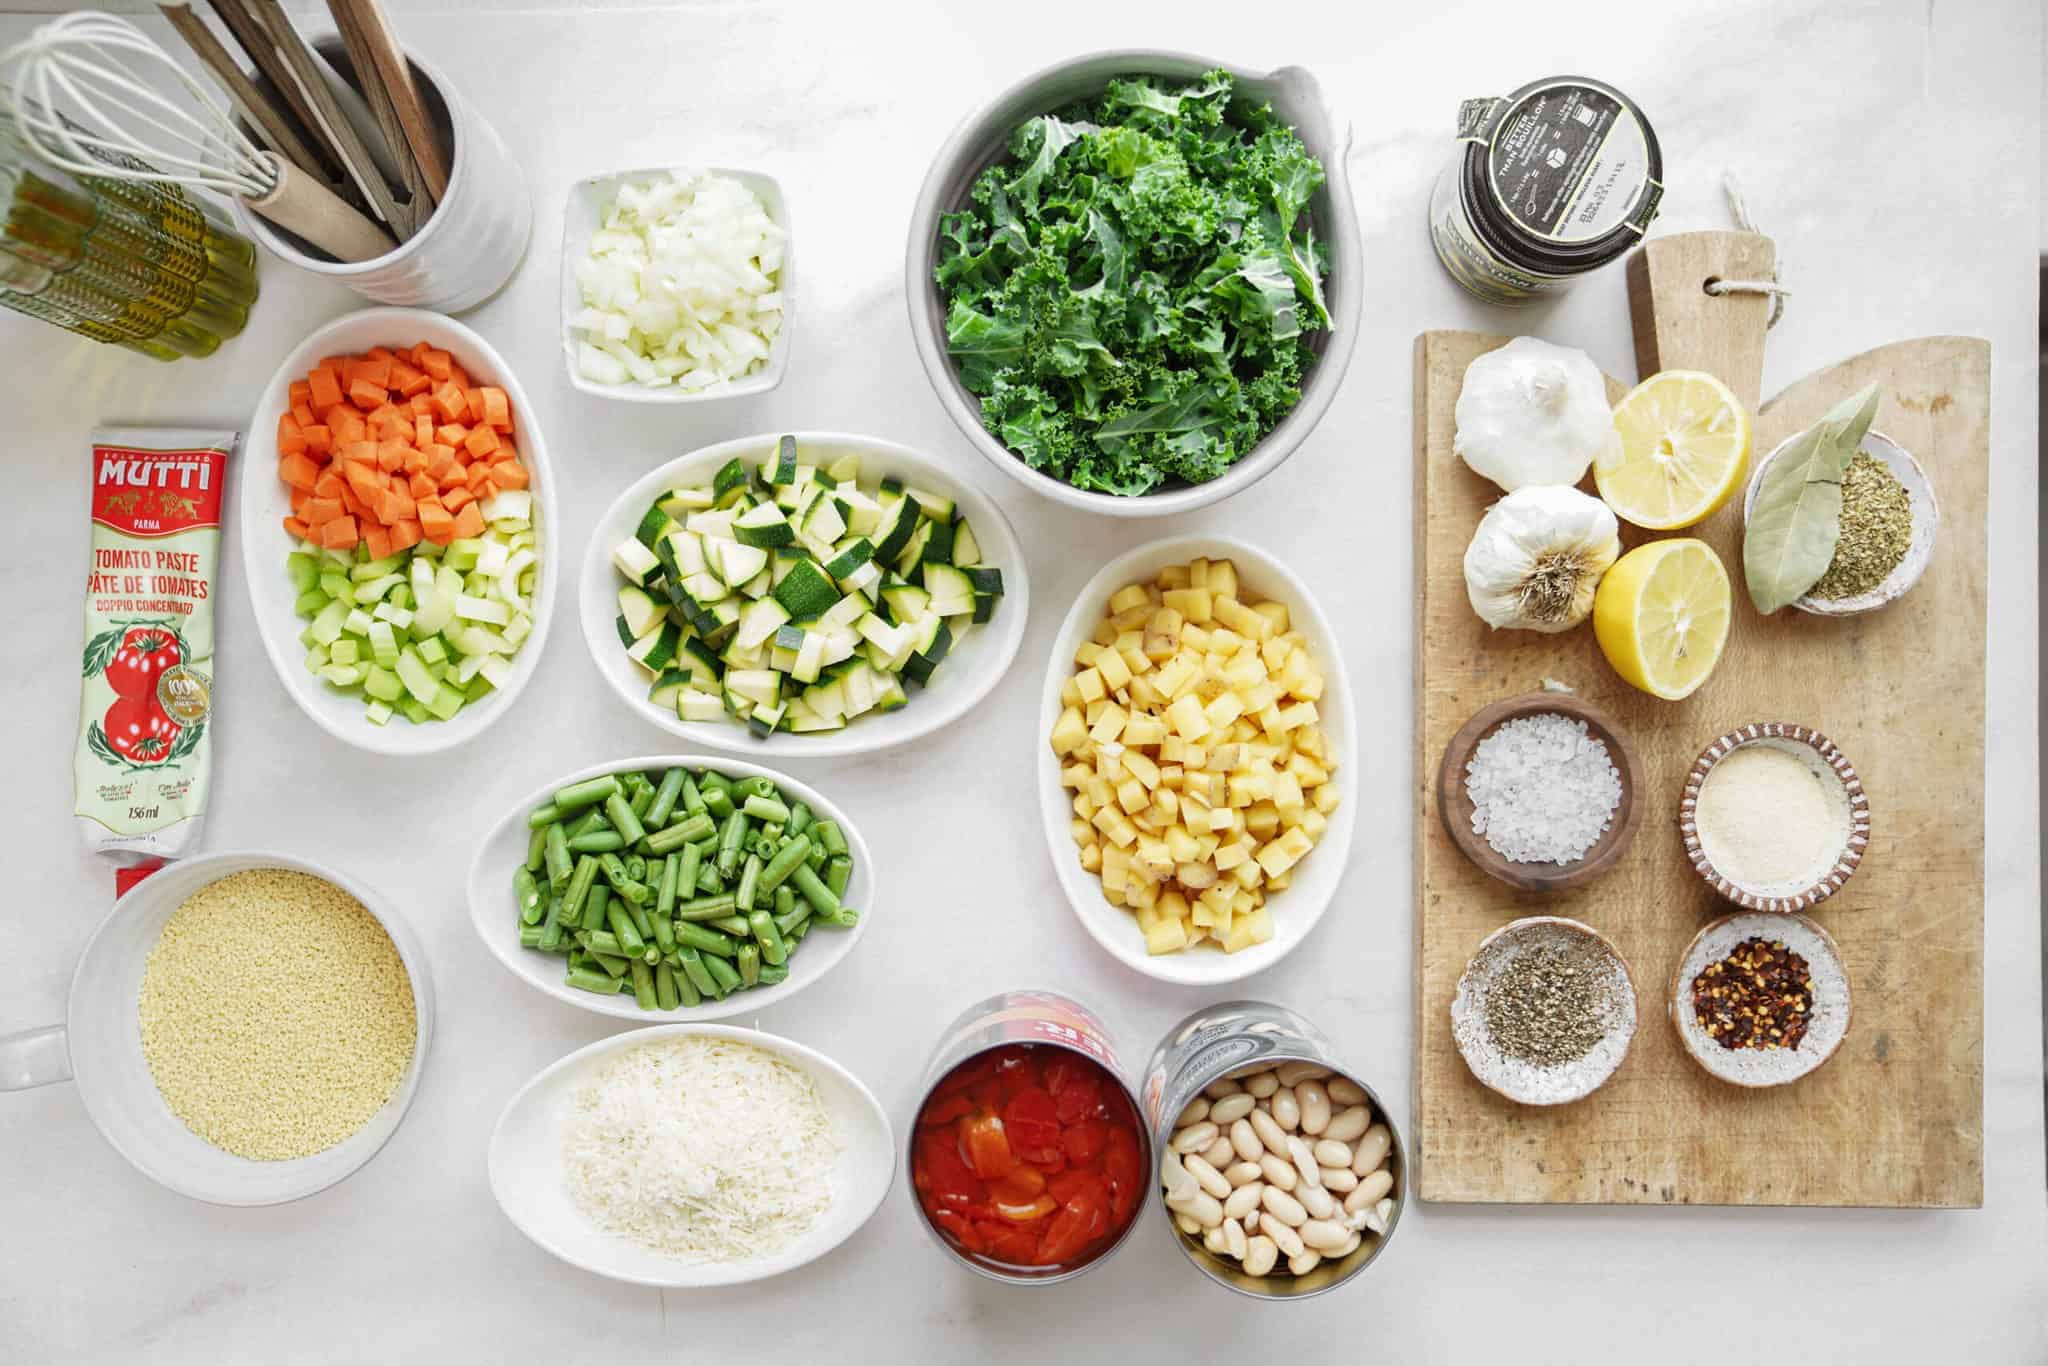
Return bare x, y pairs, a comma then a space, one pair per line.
420, 486
438, 364
497, 408
449, 401
297, 471
353, 505
374, 369
486, 489
378, 353
298, 528
421, 405
330, 483
405, 534
391, 422
319, 438
360, 453
323, 510
480, 442
478, 473
422, 430
451, 433
473, 404
299, 500
339, 534
458, 376
391, 454
298, 391
365, 481
469, 522
441, 462
435, 523
347, 425
339, 365
324, 388
408, 380
457, 498
379, 541
510, 474
303, 411
401, 502
290, 440
365, 395
417, 355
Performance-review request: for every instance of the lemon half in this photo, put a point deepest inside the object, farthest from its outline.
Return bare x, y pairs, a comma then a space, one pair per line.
1684, 450
1661, 616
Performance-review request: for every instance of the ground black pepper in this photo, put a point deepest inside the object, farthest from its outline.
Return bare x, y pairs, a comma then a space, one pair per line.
1549, 1007
1759, 996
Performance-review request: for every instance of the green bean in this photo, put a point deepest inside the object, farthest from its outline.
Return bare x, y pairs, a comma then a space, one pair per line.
546, 814
799, 817
706, 941
694, 969
708, 880
602, 941
557, 857
750, 883
536, 850
845, 918
734, 925
730, 836
774, 973
665, 890
723, 973
622, 926
754, 787
589, 792
664, 802
595, 907
749, 963
717, 801
770, 939
706, 908
834, 841
579, 886
817, 856
615, 873
616, 967
598, 842
838, 873
642, 921
711, 780
796, 936
787, 921
686, 989
643, 798
551, 933
664, 987
531, 904
686, 831
636, 868
529, 936
589, 822
693, 796
822, 898
619, 812
583, 979
643, 986
784, 863
766, 809
785, 901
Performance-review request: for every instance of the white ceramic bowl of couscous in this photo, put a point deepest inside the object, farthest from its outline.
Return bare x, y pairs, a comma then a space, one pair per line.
1313, 880
103, 1036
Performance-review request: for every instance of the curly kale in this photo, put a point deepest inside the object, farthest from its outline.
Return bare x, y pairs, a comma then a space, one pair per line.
1130, 293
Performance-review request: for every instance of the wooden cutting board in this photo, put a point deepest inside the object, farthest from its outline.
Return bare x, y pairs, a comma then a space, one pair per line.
1896, 1118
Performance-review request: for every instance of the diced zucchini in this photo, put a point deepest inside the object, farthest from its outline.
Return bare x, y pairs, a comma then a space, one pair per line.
655, 650
780, 468
897, 525
654, 524
764, 526
736, 563
678, 504
952, 592
700, 706
938, 547
855, 553
935, 506
805, 590
758, 622
730, 483
918, 669
639, 610
913, 549
966, 550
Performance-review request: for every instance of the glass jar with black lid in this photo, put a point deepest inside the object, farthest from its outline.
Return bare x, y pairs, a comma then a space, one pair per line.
1548, 184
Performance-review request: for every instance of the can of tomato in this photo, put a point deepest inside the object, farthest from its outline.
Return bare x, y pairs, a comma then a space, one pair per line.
1243, 1055
1027, 1157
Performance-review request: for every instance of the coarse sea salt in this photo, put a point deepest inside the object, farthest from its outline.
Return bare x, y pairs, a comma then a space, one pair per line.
1543, 790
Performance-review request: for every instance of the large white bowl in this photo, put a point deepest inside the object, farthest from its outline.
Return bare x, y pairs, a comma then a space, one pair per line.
101, 1046
983, 138
981, 657
1314, 880
265, 503
494, 913
588, 199
527, 1178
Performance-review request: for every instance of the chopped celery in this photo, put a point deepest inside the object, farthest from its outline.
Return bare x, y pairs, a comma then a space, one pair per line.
343, 651
446, 702
412, 672
356, 622
377, 713
326, 627
309, 602
383, 685
303, 571
433, 651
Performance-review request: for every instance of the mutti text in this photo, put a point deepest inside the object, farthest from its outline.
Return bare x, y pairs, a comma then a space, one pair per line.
131, 470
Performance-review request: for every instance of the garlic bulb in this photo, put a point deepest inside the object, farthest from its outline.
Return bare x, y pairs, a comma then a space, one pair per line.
1534, 413
1537, 557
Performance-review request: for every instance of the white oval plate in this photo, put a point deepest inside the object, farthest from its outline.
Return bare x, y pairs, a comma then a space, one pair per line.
526, 1166
1296, 910
494, 914
265, 503
982, 656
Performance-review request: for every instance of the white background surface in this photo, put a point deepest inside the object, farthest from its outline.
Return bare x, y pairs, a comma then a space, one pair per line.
1892, 148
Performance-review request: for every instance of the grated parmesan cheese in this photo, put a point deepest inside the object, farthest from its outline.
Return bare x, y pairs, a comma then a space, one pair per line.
702, 1149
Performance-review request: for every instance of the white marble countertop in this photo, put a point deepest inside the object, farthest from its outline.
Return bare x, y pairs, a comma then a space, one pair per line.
1891, 148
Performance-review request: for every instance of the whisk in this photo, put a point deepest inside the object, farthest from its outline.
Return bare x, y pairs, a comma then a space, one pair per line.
76, 100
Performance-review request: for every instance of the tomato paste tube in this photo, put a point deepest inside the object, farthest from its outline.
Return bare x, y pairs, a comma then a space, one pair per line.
144, 759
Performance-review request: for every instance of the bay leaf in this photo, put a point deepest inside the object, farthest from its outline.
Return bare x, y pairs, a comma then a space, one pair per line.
1797, 518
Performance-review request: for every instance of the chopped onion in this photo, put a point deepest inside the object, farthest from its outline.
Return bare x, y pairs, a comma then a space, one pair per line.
681, 285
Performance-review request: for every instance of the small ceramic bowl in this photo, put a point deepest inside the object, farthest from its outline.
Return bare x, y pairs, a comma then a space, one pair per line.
1455, 805
1529, 1083
1828, 1016
1926, 521
588, 199
1838, 778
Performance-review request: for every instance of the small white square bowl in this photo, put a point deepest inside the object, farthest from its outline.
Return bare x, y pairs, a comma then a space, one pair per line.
587, 201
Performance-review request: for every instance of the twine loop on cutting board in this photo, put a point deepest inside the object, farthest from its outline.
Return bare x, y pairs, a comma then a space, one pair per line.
1771, 286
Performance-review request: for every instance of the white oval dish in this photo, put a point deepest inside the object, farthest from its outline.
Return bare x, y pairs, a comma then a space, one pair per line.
494, 915
587, 200
980, 659
526, 1166
103, 1039
1314, 879
1926, 522
265, 503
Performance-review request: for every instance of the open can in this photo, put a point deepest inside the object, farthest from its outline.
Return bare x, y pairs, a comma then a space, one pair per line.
1048, 1019
1236, 1039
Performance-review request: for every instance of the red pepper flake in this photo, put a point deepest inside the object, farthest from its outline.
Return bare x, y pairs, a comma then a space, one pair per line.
1760, 996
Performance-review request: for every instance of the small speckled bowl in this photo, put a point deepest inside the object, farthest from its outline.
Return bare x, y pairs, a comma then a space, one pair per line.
1926, 521
1827, 762
1828, 1016
1520, 1081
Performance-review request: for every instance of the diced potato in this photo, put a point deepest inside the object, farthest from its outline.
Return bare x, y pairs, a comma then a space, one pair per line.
1326, 798
1147, 772
1288, 799
1089, 681
1300, 714
1087, 652
1068, 732
1192, 603
1222, 580
1275, 612
1110, 666
1262, 820
1247, 930
1091, 858
1129, 596
1163, 933
1108, 725
1284, 852
1225, 709
1228, 856
1173, 576
1186, 716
